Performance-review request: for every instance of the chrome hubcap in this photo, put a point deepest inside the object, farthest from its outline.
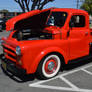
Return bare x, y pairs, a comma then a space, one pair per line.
51, 66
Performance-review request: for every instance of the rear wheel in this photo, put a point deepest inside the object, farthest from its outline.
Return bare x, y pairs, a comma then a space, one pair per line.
49, 67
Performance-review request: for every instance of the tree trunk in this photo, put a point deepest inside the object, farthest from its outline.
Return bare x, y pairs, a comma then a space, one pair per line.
27, 5
34, 4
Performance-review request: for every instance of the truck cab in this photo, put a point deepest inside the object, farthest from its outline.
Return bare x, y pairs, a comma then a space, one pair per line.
42, 41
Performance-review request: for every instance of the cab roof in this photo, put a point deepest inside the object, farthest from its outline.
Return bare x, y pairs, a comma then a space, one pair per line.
70, 10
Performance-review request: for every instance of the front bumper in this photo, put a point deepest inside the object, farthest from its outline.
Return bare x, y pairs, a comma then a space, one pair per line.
11, 67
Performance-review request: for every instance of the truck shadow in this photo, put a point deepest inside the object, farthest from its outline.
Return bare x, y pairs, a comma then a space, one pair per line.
25, 78
77, 64
19, 79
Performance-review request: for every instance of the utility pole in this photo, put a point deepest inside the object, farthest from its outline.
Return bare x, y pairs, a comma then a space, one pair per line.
77, 4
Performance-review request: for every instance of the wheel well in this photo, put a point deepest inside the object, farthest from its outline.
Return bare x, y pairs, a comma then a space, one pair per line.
39, 71
60, 56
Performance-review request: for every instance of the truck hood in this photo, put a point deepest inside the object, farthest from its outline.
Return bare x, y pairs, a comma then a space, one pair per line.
35, 18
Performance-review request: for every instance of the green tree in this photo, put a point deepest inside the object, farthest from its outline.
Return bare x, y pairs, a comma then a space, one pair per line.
87, 6
27, 5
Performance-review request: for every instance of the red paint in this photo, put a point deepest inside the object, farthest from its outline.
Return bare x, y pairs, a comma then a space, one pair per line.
72, 47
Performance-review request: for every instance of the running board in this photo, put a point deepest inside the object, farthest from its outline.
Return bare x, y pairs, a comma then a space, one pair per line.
80, 59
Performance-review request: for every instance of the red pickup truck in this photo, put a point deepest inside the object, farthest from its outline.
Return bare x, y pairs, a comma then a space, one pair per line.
42, 41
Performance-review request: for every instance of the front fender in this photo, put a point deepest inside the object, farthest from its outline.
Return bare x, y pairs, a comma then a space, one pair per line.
43, 53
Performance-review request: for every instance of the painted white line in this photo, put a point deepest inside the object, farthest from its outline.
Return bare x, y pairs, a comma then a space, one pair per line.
76, 70
61, 75
69, 83
61, 88
64, 74
70, 72
54, 87
88, 72
40, 82
87, 66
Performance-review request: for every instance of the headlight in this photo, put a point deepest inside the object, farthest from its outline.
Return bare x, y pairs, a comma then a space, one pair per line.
18, 50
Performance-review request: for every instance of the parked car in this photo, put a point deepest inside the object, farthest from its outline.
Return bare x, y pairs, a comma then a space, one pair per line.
43, 41
2, 24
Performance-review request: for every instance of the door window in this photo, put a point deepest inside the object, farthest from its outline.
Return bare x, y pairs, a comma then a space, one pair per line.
77, 21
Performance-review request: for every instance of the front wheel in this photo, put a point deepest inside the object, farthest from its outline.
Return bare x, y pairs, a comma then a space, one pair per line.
49, 67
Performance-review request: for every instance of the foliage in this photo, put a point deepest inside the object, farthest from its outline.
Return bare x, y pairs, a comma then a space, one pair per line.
87, 5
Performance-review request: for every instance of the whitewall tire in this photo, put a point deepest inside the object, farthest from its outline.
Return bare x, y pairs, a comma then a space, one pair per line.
49, 66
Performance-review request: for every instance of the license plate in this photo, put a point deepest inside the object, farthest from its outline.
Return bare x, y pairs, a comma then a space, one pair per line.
4, 65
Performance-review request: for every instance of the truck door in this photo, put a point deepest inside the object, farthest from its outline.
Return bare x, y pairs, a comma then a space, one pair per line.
78, 37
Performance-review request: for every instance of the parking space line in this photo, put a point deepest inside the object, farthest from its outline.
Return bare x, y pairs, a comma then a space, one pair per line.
90, 73
54, 87
70, 72
85, 67
61, 88
69, 83
40, 82
61, 76
76, 70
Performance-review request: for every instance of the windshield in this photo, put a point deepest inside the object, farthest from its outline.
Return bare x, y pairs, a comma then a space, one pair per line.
57, 19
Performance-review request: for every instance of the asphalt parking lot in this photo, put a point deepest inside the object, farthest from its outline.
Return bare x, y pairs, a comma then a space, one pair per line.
77, 77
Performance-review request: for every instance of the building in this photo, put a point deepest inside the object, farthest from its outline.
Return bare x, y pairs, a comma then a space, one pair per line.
8, 15
4, 16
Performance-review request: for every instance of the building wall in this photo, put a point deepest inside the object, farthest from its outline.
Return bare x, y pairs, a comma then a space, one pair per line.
9, 15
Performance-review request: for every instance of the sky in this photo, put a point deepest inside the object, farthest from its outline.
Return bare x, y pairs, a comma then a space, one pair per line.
13, 6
